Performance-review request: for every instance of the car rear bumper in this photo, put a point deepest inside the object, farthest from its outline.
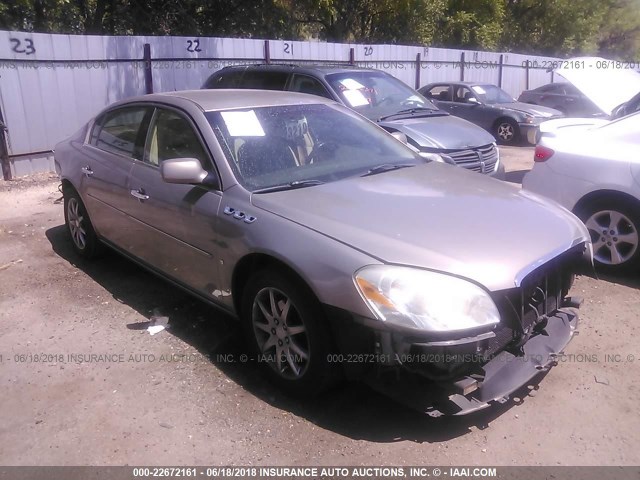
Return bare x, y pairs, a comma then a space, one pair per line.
531, 132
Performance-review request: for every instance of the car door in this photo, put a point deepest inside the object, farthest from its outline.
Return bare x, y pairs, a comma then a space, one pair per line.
441, 96
176, 223
115, 142
467, 105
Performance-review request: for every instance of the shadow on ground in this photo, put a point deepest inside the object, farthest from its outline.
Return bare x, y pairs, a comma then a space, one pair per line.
631, 280
352, 409
516, 176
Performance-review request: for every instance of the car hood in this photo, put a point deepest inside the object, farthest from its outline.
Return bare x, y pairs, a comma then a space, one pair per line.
438, 217
442, 132
591, 74
535, 110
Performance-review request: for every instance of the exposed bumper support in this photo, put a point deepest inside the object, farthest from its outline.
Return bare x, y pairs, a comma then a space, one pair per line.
503, 375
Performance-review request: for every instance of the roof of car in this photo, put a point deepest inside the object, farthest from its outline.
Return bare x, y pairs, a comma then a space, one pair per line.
449, 82
317, 69
209, 100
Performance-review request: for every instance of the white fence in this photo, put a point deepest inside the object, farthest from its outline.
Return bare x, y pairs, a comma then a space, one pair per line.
50, 84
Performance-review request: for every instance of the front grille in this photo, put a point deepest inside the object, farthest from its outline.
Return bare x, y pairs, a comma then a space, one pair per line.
482, 159
524, 309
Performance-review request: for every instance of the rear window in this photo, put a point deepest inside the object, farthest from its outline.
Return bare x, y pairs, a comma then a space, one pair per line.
264, 80
228, 79
118, 131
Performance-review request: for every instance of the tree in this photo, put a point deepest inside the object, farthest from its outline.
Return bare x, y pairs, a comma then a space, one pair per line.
619, 37
472, 24
549, 27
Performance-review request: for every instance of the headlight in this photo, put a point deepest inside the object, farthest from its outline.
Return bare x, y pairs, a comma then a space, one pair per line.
425, 300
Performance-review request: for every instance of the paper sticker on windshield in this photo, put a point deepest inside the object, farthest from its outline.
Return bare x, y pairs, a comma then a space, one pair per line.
243, 124
296, 129
355, 98
479, 90
351, 84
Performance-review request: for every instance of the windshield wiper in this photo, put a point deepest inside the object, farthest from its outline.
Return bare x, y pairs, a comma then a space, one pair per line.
386, 167
289, 186
409, 111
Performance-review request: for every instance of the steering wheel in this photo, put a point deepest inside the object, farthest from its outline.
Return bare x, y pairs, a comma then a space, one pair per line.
319, 148
382, 101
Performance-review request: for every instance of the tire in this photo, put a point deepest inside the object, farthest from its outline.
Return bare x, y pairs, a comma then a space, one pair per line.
83, 237
293, 346
614, 226
506, 131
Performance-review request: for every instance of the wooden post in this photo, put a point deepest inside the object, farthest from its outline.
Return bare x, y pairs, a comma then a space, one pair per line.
148, 75
267, 53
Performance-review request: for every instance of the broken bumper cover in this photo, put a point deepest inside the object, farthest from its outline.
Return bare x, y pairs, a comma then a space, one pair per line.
504, 374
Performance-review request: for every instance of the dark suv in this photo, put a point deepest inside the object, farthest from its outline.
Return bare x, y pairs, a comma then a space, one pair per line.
383, 99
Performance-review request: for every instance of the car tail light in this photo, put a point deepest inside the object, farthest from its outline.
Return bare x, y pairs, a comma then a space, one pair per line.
542, 154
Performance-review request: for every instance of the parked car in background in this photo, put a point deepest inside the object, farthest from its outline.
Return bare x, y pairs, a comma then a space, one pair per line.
610, 85
491, 108
381, 98
356, 247
627, 108
595, 172
561, 96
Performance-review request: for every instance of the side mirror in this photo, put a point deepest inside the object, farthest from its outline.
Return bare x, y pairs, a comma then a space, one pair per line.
401, 137
473, 101
185, 171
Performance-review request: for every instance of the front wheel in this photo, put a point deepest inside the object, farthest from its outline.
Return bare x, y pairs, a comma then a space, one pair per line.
287, 333
614, 226
507, 131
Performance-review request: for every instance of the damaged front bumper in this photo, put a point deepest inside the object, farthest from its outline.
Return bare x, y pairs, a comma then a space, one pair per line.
491, 382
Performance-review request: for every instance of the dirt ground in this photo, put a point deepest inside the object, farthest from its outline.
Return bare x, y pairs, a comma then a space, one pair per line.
177, 398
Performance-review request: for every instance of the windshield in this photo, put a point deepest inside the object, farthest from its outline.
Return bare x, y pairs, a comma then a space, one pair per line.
303, 145
491, 94
376, 94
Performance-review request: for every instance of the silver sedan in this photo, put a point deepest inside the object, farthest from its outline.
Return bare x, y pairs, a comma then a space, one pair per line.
341, 250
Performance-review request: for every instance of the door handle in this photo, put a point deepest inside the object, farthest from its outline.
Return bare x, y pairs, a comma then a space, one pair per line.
139, 194
87, 170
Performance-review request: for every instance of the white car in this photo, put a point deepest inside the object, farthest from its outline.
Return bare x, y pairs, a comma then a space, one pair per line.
595, 172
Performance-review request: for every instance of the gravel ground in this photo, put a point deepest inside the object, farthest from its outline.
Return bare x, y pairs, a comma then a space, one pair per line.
160, 401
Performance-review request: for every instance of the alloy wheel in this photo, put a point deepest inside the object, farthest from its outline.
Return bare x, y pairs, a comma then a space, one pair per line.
615, 237
75, 220
505, 131
280, 333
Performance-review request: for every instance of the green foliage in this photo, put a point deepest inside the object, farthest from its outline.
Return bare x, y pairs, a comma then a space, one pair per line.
552, 27
472, 23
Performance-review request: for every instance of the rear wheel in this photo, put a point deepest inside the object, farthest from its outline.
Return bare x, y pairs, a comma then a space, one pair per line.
614, 226
287, 333
83, 237
507, 131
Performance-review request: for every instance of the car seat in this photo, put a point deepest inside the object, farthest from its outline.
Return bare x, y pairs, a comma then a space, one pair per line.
258, 157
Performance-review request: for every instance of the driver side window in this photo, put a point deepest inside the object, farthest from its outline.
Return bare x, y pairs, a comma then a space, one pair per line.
462, 95
172, 136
